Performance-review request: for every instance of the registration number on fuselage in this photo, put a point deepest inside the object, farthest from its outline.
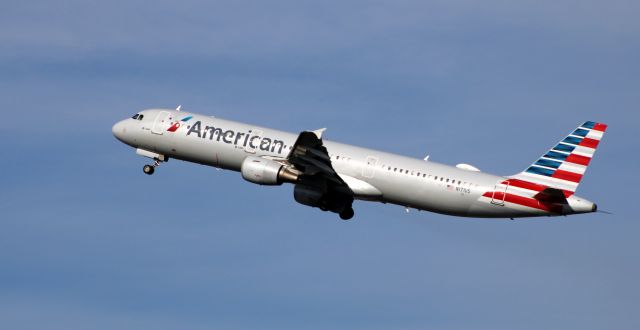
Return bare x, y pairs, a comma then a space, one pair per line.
463, 190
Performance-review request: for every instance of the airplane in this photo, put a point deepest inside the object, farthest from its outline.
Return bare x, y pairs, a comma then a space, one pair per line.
330, 175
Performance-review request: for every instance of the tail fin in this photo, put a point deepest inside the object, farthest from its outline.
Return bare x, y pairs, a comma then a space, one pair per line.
564, 166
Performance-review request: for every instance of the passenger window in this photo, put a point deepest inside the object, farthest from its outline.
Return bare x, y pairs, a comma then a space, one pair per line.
435, 177
395, 169
424, 175
459, 182
447, 180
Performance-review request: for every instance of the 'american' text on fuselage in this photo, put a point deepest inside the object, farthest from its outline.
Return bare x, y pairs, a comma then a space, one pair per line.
237, 138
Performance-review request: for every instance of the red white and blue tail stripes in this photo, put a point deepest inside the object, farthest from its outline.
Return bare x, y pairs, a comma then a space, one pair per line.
546, 185
564, 165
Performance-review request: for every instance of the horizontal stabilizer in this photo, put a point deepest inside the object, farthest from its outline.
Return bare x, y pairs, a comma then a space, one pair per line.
551, 196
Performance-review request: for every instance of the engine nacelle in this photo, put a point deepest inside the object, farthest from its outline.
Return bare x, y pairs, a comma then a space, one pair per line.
307, 195
315, 196
266, 172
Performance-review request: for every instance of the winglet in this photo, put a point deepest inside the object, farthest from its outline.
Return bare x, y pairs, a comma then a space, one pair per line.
319, 132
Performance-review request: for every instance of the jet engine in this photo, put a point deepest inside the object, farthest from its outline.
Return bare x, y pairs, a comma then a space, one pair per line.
316, 196
267, 172
308, 195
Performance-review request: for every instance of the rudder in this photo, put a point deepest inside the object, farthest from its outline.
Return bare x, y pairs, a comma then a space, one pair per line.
564, 165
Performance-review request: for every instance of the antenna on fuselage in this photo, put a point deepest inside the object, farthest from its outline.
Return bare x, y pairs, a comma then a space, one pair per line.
179, 107
426, 159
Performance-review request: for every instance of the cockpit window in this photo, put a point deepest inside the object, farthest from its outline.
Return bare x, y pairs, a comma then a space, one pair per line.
140, 117
135, 116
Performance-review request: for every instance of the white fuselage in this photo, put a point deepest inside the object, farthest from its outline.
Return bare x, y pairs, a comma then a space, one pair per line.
373, 175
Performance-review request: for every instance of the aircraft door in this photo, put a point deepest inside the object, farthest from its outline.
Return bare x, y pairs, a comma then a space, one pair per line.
161, 123
499, 194
369, 168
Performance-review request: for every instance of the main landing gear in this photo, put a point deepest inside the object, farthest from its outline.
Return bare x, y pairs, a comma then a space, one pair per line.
149, 169
346, 214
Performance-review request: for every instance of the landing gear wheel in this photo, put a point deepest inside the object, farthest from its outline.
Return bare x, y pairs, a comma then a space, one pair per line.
346, 214
148, 169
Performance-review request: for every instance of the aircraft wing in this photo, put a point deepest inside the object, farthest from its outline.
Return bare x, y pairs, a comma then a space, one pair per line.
309, 156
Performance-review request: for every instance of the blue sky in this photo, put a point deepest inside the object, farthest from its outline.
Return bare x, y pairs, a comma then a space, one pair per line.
88, 241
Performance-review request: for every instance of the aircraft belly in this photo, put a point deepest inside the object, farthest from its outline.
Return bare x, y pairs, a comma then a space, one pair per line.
487, 210
429, 198
361, 190
418, 193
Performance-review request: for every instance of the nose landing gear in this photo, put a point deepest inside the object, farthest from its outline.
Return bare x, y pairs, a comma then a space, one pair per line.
149, 169
157, 159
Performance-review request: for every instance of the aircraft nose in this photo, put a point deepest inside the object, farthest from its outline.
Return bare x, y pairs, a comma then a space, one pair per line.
119, 130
